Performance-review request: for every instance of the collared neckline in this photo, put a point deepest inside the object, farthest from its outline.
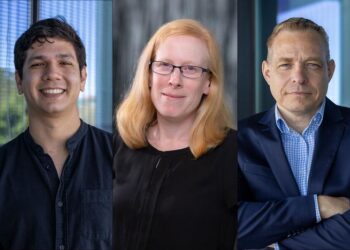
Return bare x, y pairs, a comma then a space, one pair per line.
314, 123
71, 143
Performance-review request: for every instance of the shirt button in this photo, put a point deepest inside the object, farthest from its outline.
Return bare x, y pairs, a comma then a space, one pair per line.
60, 204
61, 247
47, 167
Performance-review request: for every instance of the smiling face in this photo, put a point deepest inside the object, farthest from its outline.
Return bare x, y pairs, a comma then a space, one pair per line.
174, 96
298, 72
51, 79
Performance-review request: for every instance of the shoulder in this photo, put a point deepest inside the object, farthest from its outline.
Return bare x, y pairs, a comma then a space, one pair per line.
13, 144
334, 112
345, 113
231, 137
251, 120
251, 130
100, 138
119, 145
228, 146
117, 138
99, 131
99, 134
11, 149
254, 122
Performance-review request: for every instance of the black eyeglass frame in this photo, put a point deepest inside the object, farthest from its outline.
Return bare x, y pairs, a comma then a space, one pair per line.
180, 68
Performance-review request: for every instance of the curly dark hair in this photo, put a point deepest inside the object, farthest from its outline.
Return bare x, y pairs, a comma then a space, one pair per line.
40, 32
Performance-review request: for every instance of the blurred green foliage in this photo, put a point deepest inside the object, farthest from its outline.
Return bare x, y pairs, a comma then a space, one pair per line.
13, 119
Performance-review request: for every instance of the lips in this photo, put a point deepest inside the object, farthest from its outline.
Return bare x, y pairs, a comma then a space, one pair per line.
299, 93
173, 95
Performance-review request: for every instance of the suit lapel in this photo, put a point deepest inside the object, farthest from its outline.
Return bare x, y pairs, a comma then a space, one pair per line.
273, 149
329, 137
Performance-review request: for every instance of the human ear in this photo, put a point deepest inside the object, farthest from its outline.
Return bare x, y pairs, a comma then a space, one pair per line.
83, 76
265, 68
330, 68
19, 83
206, 86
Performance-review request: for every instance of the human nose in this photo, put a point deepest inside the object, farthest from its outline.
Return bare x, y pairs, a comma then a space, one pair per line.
298, 74
51, 72
175, 77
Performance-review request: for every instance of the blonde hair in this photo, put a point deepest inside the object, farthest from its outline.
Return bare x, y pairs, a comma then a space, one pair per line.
299, 24
137, 112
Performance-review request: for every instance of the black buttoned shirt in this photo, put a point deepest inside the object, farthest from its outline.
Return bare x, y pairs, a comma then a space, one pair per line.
39, 210
168, 200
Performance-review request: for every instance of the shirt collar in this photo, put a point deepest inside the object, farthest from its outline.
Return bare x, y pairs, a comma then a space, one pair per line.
71, 142
315, 121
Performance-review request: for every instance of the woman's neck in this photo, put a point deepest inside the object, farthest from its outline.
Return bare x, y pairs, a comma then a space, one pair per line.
167, 135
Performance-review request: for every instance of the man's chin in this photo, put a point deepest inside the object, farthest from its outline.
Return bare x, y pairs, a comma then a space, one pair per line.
53, 110
301, 109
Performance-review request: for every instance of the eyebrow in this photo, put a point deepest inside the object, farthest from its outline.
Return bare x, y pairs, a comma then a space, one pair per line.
288, 59
285, 59
185, 63
59, 56
318, 59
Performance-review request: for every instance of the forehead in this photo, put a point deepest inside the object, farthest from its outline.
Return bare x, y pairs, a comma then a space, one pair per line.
292, 43
51, 48
183, 48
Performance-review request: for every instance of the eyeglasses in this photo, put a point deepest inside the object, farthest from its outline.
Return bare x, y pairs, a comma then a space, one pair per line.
189, 71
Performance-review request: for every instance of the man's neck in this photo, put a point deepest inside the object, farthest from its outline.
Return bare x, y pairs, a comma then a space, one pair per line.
52, 133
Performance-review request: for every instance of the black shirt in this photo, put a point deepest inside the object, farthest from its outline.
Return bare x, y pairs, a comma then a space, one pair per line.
169, 200
40, 211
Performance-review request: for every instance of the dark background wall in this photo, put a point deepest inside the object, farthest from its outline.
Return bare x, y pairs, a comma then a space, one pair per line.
256, 19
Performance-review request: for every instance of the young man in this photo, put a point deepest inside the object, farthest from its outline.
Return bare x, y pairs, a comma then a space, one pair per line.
294, 159
56, 177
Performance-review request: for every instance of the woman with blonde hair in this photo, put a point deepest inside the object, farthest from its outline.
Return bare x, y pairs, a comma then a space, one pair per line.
175, 149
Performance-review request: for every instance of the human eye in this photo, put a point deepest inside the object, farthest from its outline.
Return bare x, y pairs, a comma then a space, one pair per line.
189, 69
163, 64
65, 63
285, 66
36, 64
313, 66
162, 67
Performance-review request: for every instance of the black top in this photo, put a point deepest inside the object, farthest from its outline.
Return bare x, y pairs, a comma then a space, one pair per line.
40, 211
169, 200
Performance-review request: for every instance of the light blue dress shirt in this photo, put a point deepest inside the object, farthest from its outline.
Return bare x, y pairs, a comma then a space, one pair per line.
299, 149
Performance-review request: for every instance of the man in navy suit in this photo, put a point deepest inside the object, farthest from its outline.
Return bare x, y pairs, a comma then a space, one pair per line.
294, 175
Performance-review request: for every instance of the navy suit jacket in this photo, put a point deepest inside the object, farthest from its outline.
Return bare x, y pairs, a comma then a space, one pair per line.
271, 207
